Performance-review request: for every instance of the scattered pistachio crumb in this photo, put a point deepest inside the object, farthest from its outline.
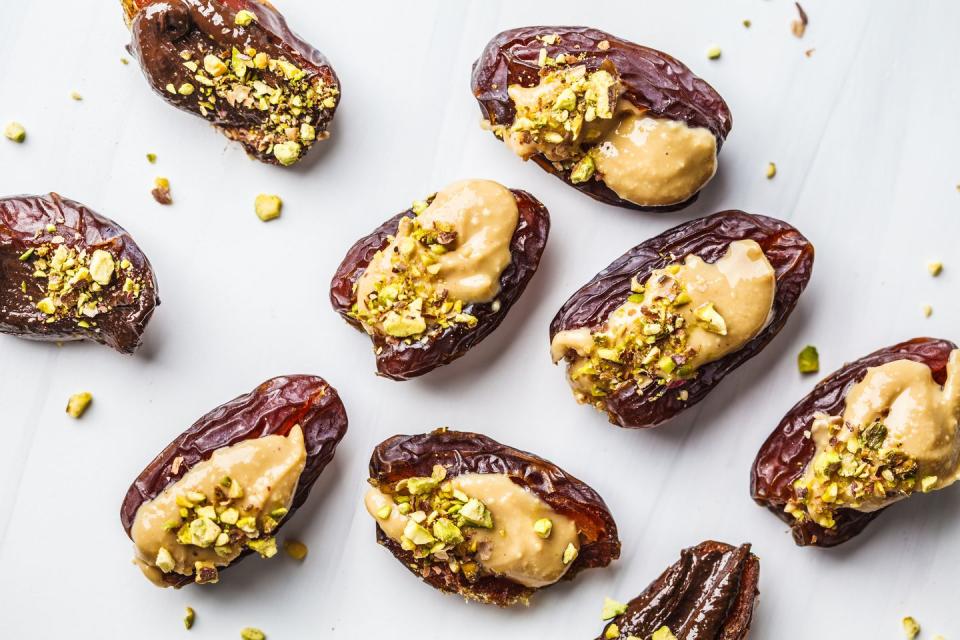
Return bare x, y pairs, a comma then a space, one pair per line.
15, 131
910, 628
808, 360
161, 191
611, 609
124, 60
612, 632
295, 549
771, 170
928, 483
152, 158
78, 403
799, 26
267, 207
287, 153
543, 527
570, 553
244, 18
188, 619
927, 310
663, 633
714, 52
935, 267
76, 96
747, 23
252, 633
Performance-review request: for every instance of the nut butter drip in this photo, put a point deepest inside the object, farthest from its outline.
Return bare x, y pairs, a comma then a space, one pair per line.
898, 434
268, 470
449, 255
511, 547
687, 315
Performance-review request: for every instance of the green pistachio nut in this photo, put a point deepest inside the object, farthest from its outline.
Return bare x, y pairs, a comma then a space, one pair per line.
287, 153
476, 513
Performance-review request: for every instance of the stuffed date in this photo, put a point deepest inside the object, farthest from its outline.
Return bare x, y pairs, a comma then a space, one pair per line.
709, 594
874, 432
658, 329
433, 281
68, 273
223, 488
483, 520
624, 124
236, 64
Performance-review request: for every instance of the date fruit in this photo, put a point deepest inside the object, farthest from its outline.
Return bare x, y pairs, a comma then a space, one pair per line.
654, 377
298, 406
68, 273
236, 64
449, 270
709, 594
523, 520
787, 453
573, 98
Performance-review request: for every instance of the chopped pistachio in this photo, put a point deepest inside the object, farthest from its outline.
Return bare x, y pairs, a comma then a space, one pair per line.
252, 633
164, 560
927, 483
543, 527
161, 191
295, 549
76, 96
152, 158
910, 628
927, 310
267, 207
196, 497
287, 153
711, 319
747, 23
124, 61
417, 534
771, 170
477, 514
188, 618
570, 553
446, 532
214, 65
612, 632
186, 89
14, 131
384, 512
266, 547
808, 360
663, 633
714, 52
935, 267
78, 403
611, 609
244, 18
583, 170
102, 267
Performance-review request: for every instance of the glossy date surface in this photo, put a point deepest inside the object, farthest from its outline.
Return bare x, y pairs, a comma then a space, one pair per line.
653, 80
28, 223
788, 251
708, 594
463, 453
273, 408
787, 451
400, 361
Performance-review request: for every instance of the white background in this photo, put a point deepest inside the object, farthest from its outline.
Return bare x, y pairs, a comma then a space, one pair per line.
865, 136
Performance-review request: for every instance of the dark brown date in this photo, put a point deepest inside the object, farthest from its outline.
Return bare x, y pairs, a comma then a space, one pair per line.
273, 408
709, 594
461, 453
787, 452
40, 303
277, 112
654, 81
788, 251
401, 361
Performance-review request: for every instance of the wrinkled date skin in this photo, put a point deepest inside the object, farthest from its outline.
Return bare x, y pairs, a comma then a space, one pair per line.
462, 453
162, 29
653, 80
400, 361
788, 251
273, 408
24, 226
709, 594
787, 452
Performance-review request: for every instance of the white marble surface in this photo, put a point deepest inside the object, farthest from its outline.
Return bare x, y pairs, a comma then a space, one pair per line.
865, 135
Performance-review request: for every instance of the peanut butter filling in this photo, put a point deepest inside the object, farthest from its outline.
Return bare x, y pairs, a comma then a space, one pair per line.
898, 434
449, 255
478, 524
219, 508
681, 318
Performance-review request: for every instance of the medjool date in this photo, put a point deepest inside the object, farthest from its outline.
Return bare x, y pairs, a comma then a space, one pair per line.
573, 98
444, 274
709, 594
528, 504
236, 64
788, 452
68, 273
630, 342
301, 410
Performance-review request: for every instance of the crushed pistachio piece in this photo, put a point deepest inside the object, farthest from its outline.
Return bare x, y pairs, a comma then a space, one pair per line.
161, 191
244, 18
74, 95
928, 483
295, 549
663, 633
710, 318
570, 553
714, 52
927, 310
189, 618
164, 560
252, 633
266, 547
152, 158
78, 404
611, 609
808, 360
747, 23
124, 61
935, 268
911, 629
267, 207
287, 153
612, 632
771, 170
14, 131
543, 527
